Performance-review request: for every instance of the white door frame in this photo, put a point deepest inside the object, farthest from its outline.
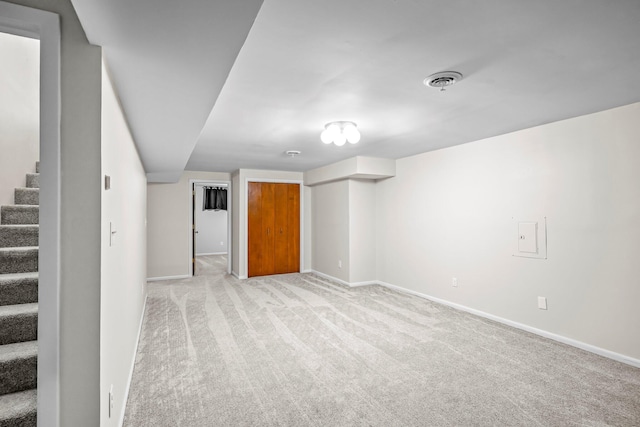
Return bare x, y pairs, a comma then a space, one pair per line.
229, 212
45, 26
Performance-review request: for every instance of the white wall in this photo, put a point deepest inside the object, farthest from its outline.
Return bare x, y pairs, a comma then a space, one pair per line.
123, 270
362, 231
169, 225
449, 213
212, 227
331, 229
344, 230
19, 112
235, 222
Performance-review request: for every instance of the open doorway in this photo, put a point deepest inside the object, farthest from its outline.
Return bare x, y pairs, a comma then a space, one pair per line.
44, 26
210, 228
19, 113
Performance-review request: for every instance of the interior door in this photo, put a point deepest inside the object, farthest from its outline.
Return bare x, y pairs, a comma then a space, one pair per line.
287, 225
273, 228
261, 217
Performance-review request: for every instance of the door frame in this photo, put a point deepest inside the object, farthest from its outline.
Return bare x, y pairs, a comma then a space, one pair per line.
245, 220
211, 182
45, 26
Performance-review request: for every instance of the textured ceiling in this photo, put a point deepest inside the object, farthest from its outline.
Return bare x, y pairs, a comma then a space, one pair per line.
305, 63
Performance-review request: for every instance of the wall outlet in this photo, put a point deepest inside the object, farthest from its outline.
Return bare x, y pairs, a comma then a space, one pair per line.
542, 303
454, 282
110, 400
339, 263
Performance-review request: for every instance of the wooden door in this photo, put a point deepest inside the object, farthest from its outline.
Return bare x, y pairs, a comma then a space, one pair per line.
261, 218
287, 244
273, 228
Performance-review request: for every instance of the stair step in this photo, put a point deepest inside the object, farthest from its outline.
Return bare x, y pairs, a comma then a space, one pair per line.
18, 288
18, 235
33, 180
19, 214
18, 260
18, 367
26, 196
19, 409
18, 323
38, 166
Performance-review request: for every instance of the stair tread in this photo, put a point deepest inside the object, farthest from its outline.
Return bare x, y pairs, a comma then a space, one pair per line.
20, 249
18, 350
9, 277
22, 206
18, 309
20, 225
18, 406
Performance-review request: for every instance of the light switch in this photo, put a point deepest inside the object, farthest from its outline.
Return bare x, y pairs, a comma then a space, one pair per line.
528, 237
112, 234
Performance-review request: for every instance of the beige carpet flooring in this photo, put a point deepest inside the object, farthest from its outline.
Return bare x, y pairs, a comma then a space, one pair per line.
300, 350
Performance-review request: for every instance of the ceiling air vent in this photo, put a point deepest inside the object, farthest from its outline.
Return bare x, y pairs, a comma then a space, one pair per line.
443, 79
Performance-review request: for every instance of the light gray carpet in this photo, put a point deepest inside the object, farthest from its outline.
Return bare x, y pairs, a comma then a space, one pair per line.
299, 350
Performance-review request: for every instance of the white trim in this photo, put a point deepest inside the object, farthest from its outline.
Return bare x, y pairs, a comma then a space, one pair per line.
245, 220
227, 184
343, 282
550, 335
45, 26
212, 253
133, 363
237, 276
160, 278
575, 343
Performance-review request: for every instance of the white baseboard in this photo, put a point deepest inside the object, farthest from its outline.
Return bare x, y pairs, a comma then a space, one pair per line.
212, 253
133, 363
343, 282
157, 279
237, 276
569, 341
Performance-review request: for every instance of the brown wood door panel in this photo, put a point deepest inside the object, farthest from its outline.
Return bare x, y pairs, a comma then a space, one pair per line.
294, 228
274, 228
268, 214
254, 227
260, 231
281, 227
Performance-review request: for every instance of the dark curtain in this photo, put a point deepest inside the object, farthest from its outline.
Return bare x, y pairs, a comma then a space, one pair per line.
214, 198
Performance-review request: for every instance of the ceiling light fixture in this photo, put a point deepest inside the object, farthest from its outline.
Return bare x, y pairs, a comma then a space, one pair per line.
443, 79
339, 133
293, 153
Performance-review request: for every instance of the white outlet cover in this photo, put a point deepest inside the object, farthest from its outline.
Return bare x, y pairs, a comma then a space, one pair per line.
542, 303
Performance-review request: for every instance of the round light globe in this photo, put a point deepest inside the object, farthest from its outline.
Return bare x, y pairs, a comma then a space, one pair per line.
352, 134
339, 139
326, 136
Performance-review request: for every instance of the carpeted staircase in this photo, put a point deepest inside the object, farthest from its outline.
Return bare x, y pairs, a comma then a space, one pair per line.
19, 305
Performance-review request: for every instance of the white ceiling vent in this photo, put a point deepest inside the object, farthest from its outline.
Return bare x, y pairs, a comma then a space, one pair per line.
443, 79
